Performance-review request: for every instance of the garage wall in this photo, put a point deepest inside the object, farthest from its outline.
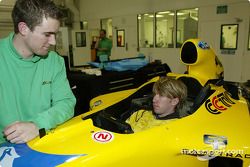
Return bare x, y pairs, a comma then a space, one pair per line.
209, 30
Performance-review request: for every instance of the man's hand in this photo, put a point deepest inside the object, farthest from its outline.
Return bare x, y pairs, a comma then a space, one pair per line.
21, 132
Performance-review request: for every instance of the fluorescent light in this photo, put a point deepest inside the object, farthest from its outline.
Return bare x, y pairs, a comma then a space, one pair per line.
167, 12
178, 14
158, 15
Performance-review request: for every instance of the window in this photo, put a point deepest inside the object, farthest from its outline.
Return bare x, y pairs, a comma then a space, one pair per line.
187, 25
146, 30
84, 25
160, 29
164, 29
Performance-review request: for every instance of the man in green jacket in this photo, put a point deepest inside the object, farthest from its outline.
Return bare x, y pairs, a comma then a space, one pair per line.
34, 90
103, 46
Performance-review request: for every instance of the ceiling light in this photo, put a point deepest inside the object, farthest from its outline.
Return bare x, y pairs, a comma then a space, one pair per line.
168, 12
158, 15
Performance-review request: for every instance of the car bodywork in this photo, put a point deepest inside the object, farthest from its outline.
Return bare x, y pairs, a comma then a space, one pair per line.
212, 132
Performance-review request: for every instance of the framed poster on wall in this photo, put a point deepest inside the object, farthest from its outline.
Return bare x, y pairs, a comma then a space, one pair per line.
120, 38
80, 39
248, 47
229, 36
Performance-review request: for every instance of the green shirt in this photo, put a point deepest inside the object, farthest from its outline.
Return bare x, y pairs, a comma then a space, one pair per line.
33, 89
104, 43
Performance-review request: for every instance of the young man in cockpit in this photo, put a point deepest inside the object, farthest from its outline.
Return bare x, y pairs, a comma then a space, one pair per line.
169, 98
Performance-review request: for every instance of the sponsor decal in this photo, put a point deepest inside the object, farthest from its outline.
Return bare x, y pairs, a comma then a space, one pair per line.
20, 155
216, 147
102, 136
219, 103
203, 45
217, 142
207, 154
7, 156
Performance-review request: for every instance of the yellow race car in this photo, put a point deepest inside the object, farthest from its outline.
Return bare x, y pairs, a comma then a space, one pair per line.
211, 133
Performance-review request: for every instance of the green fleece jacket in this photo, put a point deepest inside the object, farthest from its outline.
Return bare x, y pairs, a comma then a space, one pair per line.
35, 89
104, 43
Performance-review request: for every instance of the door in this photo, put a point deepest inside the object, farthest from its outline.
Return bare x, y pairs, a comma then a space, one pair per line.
129, 49
80, 47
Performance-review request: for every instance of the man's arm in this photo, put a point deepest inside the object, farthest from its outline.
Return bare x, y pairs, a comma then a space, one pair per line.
62, 109
62, 101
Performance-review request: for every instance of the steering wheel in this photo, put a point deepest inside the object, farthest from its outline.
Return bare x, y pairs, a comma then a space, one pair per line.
120, 126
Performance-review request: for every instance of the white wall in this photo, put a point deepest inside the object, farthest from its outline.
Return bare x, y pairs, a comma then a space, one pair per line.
124, 17
210, 23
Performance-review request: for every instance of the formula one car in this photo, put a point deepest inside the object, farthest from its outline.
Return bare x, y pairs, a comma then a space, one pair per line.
211, 133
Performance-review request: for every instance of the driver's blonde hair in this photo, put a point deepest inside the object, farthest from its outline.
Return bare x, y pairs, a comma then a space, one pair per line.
171, 88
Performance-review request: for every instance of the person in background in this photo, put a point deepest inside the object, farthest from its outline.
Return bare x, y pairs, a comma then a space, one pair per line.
169, 98
103, 46
34, 91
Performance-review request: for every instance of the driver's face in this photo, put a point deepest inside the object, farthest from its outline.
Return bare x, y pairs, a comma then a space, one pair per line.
163, 105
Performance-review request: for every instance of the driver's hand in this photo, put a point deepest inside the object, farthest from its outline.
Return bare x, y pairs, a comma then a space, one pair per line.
21, 132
